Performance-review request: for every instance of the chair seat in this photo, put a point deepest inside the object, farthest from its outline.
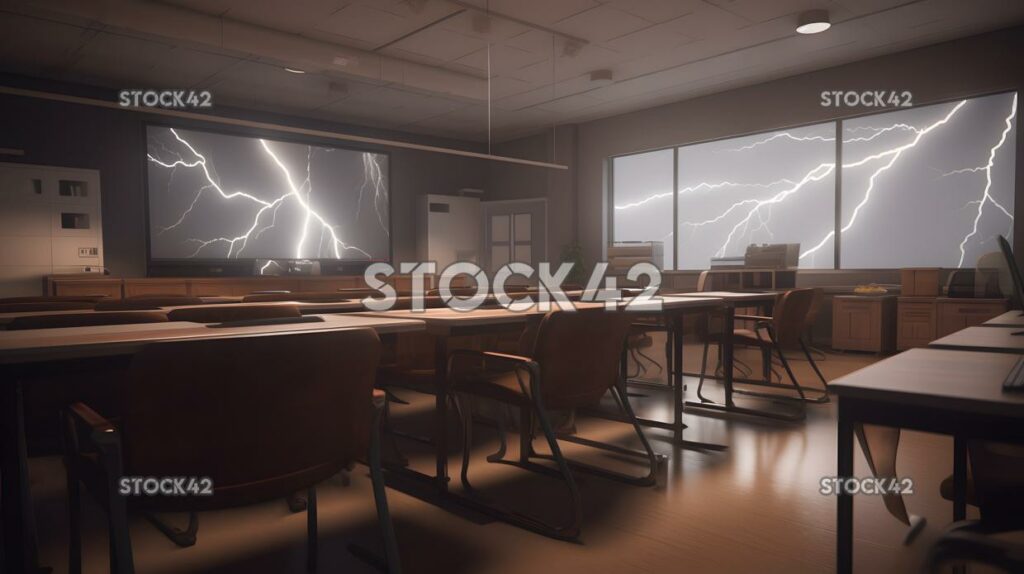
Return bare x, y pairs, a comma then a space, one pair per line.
749, 337
498, 385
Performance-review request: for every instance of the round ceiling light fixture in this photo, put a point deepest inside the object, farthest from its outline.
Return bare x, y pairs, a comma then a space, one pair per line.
602, 77
813, 22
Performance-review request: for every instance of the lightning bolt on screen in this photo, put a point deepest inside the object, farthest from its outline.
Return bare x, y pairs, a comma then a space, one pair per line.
217, 196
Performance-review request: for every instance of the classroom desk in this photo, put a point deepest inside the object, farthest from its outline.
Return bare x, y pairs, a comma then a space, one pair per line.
673, 308
733, 299
21, 352
1014, 318
985, 339
305, 307
950, 392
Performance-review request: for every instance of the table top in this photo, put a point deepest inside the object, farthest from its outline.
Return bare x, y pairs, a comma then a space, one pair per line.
671, 302
36, 345
966, 381
1008, 319
982, 339
306, 307
732, 296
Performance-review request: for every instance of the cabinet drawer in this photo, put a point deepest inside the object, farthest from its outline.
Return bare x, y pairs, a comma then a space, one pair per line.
954, 316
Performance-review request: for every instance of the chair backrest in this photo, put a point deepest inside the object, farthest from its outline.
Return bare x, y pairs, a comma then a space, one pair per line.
579, 353
789, 318
812, 313
261, 416
30, 306
232, 312
997, 471
308, 296
147, 302
85, 320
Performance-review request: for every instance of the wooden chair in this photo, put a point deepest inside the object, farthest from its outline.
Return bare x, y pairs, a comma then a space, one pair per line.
995, 485
147, 302
783, 330
85, 320
233, 312
296, 409
573, 362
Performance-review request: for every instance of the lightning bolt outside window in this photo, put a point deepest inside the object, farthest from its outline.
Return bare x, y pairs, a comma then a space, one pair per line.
746, 216
298, 194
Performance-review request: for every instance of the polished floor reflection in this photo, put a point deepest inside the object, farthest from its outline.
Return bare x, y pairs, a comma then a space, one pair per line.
754, 507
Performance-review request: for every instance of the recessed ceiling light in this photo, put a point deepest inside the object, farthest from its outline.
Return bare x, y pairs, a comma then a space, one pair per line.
601, 77
813, 22
294, 70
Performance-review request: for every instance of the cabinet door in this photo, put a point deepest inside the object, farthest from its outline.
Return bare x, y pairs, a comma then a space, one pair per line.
954, 315
915, 325
856, 325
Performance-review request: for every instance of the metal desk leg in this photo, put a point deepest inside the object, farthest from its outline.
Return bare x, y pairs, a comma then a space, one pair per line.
727, 352
959, 478
441, 411
844, 502
676, 333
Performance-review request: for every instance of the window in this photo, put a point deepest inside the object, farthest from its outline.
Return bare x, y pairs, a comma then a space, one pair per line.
777, 187
642, 205
928, 186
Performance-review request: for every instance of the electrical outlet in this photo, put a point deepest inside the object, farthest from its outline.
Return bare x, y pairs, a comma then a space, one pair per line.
88, 252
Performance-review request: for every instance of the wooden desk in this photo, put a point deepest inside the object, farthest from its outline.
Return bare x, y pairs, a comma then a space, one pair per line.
22, 352
931, 390
982, 339
1013, 318
731, 300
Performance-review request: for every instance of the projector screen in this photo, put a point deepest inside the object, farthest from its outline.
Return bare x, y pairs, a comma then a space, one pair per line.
214, 196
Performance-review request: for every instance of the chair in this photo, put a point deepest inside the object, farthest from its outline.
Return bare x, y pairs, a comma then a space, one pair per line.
232, 312
308, 296
783, 330
573, 362
147, 302
85, 320
299, 411
32, 306
994, 486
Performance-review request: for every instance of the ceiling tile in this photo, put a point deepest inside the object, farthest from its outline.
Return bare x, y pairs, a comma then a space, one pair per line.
365, 23
600, 24
438, 44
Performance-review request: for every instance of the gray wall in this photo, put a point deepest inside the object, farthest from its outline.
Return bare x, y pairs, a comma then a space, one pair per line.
113, 142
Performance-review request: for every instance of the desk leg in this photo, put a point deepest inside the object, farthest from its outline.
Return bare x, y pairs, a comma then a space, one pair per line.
727, 352
844, 502
441, 410
959, 478
676, 334
18, 544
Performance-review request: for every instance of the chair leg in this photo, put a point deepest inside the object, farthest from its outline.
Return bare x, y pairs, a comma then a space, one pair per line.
311, 530
652, 460
573, 530
295, 502
74, 522
785, 364
814, 365
525, 434
380, 500
183, 538
502, 441
703, 366
467, 438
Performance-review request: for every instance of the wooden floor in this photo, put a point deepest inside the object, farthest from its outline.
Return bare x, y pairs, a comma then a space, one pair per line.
753, 508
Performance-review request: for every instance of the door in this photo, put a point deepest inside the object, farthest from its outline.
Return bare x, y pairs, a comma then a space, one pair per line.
514, 231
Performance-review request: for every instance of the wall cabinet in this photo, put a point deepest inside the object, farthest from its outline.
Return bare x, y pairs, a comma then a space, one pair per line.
863, 323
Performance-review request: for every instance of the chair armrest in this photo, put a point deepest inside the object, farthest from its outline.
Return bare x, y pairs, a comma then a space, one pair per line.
84, 415
761, 318
505, 360
91, 430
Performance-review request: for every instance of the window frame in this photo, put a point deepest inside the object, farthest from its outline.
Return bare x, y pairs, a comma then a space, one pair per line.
837, 121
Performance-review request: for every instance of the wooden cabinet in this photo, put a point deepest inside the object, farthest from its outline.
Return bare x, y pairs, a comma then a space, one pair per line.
921, 320
863, 323
956, 314
97, 285
915, 322
141, 287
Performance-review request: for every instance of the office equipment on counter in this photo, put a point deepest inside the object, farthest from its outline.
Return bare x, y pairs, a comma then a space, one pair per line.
774, 255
